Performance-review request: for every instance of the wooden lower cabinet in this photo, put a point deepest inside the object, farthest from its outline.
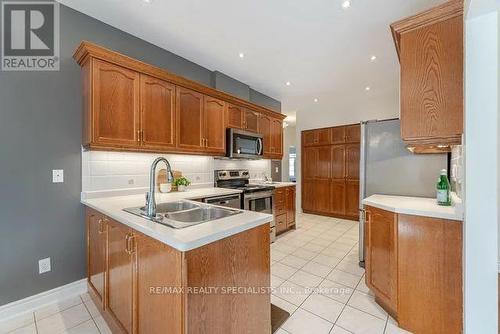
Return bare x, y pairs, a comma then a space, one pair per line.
151, 287
96, 254
284, 208
120, 278
414, 268
381, 256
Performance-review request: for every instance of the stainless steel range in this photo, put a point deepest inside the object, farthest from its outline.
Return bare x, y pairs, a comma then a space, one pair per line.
255, 197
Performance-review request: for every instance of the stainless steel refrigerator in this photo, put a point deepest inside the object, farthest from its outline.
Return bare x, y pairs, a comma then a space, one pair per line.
388, 168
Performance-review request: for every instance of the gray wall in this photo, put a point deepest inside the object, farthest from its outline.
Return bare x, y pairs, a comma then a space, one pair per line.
40, 130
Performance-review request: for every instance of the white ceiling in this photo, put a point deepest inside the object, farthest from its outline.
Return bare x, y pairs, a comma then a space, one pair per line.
322, 49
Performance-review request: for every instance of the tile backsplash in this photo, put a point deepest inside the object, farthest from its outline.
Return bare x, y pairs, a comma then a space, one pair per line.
124, 171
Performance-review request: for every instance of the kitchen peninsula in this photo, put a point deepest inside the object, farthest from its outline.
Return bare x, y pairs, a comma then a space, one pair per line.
146, 277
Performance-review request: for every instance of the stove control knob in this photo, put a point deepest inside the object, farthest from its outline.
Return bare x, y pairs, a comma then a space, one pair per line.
245, 173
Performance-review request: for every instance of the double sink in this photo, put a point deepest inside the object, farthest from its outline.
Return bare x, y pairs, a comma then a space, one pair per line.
184, 213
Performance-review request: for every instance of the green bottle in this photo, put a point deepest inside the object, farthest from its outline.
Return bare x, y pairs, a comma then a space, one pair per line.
443, 189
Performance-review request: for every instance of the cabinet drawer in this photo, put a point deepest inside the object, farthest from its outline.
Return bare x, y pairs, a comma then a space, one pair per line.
280, 223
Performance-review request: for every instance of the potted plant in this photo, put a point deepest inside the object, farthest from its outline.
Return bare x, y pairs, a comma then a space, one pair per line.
181, 183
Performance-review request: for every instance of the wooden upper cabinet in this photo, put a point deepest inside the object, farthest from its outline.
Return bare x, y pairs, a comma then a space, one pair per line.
317, 137
157, 113
277, 138
215, 130
353, 133
265, 131
235, 117
381, 255
96, 257
190, 121
338, 135
430, 47
120, 276
115, 105
251, 121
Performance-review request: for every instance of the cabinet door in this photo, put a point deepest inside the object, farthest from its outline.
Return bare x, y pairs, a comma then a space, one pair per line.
310, 162
336, 197
308, 195
381, 255
352, 152
96, 256
277, 138
353, 133
309, 138
215, 132
338, 162
235, 117
265, 131
290, 206
251, 122
338, 135
120, 275
323, 136
115, 110
157, 113
162, 312
321, 191
189, 105
324, 162
352, 199
432, 81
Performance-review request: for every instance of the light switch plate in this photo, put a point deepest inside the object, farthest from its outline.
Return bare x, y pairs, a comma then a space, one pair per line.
57, 176
44, 265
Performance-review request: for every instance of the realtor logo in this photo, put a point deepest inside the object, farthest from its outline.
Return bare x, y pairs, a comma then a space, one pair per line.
30, 36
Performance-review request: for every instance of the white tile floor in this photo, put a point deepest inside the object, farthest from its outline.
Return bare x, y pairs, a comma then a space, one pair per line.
317, 279
314, 270
76, 315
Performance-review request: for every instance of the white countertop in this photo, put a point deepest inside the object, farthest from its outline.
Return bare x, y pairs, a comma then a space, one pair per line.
184, 239
417, 206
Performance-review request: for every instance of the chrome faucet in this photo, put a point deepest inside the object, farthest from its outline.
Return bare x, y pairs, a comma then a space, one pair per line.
150, 196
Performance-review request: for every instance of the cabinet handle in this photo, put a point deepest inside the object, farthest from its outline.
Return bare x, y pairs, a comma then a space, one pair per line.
127, 243
206, 142
101, 228
131, 244
138, 135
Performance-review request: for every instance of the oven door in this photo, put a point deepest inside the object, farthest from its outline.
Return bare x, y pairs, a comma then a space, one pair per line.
261, 201
244, 144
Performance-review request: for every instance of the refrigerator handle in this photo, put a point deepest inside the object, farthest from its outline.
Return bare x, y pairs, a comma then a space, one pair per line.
362, 163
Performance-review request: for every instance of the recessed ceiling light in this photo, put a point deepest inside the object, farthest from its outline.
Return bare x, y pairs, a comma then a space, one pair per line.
316, 100
346, 4
367, 88
147, 1
288, 83
373, 58
241, 54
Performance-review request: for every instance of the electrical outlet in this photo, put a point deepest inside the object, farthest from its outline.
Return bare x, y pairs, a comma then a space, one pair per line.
57, 176
44, 265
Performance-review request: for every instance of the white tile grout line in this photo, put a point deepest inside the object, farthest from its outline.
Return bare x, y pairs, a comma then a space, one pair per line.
91, 316
353, 289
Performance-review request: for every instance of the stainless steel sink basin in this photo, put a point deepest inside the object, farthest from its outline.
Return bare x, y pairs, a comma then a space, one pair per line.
184, 213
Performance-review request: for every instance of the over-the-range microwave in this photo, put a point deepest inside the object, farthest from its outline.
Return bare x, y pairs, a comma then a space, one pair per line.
243, 144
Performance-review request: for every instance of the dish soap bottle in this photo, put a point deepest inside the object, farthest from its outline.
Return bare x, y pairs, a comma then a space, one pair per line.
443, 189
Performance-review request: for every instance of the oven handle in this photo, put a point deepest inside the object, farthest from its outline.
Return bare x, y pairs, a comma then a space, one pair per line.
258, 195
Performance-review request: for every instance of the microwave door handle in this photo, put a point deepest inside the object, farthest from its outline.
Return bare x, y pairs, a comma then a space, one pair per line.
259, 146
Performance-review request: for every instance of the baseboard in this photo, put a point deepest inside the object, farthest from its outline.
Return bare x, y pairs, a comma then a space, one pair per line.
47, 297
